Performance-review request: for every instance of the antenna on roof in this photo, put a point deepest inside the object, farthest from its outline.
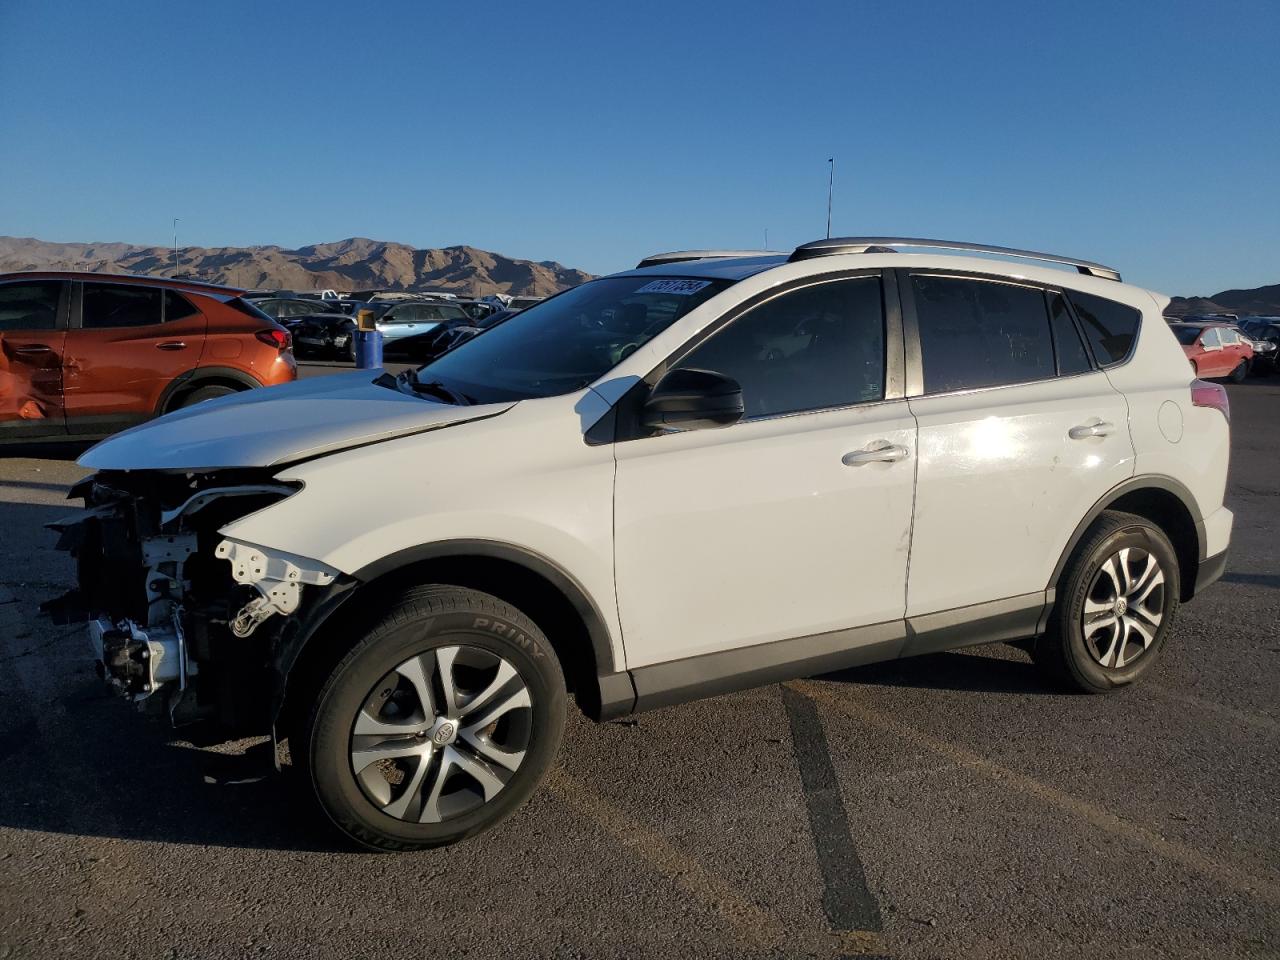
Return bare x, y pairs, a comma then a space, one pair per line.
831, 180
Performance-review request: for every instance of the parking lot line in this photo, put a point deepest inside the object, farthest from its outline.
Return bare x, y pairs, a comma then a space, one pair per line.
1262, 888
751, 926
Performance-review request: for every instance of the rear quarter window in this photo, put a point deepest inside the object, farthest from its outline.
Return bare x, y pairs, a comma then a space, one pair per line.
1111, 327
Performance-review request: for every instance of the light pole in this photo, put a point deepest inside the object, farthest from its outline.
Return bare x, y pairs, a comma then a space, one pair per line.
831, 179
175, 244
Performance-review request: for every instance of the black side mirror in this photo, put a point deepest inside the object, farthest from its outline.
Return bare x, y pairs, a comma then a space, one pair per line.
691, 400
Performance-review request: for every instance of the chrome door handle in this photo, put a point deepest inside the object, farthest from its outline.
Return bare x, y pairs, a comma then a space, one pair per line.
1085, 430
33, 348
881, 452
171, 345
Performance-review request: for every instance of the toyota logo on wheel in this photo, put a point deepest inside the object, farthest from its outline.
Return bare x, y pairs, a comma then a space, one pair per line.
443, 734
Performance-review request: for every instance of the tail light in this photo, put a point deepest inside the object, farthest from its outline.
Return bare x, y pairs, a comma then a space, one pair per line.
275, 337
1206, 394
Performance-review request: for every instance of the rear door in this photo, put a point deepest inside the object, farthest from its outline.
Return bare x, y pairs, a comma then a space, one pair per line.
1020, 435
33, 329
127, 343
1216, 361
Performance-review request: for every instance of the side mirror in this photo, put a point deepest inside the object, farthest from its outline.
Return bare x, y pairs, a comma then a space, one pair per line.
688, 399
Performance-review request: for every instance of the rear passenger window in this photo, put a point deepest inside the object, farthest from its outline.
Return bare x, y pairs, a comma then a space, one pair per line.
1110, 326
29, 306
177, 307
1072, 356
817, 347
977, 333
119, 305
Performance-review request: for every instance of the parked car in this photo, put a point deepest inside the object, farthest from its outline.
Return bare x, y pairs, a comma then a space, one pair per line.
623, 495
1214, 349
87, 354
287, 308
479, 309
1264, 332
411, 318
323, 335
523, 303
425, 347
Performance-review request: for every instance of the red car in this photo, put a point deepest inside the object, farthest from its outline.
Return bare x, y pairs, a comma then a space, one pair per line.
87, 354
1215, 350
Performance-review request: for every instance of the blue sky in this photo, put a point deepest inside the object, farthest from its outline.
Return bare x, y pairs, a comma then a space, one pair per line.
1144, 135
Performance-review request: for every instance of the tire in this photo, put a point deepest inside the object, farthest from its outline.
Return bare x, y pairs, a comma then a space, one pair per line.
201, 394
1108, 657
384, 788
1240, 372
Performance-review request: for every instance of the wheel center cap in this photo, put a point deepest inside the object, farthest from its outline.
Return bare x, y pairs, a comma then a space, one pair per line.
1121, 606
444, 732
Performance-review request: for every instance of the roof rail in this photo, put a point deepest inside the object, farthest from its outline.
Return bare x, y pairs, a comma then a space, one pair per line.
683, 256
835, 245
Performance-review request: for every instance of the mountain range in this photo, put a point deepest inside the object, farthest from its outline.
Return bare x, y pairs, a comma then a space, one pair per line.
359, 264
353, 264
1260, 301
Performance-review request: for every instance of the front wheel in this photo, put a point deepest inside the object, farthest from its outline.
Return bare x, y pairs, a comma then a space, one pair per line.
438, 724
1115, 604
1240, 372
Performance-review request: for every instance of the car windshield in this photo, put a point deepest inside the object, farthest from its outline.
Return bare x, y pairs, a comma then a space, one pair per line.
564, 343
1187, 335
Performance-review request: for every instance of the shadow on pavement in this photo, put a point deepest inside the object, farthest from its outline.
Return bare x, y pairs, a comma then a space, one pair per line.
91, 767
41, 450
955, 670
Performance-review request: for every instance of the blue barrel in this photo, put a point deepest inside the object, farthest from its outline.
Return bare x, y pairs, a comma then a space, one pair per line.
368, 349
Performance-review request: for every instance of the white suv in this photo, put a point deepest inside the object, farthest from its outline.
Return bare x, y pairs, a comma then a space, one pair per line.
703, 474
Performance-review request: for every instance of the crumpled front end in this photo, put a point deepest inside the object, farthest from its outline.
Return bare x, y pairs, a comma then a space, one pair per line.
182, 619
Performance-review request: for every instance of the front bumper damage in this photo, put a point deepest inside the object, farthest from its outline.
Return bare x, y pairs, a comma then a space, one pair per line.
182, 620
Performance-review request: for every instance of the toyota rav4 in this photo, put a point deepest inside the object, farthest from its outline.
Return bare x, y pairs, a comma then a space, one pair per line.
714, 471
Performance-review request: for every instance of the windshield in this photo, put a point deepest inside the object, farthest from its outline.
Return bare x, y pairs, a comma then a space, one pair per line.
1187, 335
564, 343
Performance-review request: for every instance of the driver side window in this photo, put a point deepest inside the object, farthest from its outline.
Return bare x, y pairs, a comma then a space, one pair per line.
817, 347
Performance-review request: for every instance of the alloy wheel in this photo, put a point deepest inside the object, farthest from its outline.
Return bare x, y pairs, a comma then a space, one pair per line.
1124, 607
441, 734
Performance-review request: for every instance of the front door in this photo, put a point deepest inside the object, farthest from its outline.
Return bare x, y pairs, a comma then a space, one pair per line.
127, 343
796, 520
32, 334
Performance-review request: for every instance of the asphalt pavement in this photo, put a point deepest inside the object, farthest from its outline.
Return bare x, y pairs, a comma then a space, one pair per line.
947, 806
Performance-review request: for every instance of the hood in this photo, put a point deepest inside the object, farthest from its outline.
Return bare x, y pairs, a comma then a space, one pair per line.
277, 425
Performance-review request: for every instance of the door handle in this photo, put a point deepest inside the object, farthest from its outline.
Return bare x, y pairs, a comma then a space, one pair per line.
171, 345
1099, 428
881, 452
33, 348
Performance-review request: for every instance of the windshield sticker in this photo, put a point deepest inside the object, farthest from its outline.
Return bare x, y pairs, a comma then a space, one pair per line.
681, 288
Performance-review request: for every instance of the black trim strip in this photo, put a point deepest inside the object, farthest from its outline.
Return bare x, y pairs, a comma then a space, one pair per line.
1015, 618
1211, 570
601, 644
1144, 482
692, 678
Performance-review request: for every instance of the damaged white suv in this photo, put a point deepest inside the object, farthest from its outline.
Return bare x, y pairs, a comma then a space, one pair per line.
714, 471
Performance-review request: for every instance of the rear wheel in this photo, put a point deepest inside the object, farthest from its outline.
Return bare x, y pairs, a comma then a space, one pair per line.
201, 394
438, 724
1115, 604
